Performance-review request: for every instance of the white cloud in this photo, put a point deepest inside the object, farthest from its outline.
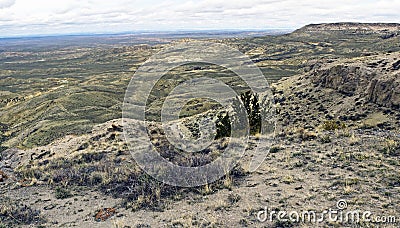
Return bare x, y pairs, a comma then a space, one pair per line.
6, 3
74, 16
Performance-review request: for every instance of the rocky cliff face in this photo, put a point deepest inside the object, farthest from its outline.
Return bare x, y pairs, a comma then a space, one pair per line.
385, 91
373, 79
344, 78
361, 92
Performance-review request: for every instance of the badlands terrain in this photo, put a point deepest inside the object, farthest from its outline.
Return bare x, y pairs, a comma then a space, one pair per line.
64, 161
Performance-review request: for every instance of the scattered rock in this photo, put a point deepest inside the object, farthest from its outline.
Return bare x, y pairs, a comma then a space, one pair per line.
3, 176
104, 214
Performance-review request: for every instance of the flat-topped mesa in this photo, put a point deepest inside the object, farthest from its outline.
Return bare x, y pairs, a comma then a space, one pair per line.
352, 27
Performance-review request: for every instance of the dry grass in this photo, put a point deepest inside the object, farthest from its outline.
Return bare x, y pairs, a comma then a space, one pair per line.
15, 213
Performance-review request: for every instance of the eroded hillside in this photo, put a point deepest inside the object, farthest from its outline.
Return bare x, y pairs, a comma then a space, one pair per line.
64, 161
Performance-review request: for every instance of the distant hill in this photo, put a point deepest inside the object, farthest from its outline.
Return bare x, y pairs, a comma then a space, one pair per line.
352, 27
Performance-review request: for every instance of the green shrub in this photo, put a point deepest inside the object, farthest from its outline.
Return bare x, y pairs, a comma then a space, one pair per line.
325, 139
62, 193
223, 126
251, 103
275, 149
391, 147
331, 125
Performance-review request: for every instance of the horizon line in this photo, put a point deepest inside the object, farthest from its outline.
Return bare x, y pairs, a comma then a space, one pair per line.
143, 32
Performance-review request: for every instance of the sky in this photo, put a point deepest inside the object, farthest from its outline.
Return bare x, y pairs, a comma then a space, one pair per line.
41, 17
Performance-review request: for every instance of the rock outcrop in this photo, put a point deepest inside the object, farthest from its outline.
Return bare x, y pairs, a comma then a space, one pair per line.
374, 79
385, 91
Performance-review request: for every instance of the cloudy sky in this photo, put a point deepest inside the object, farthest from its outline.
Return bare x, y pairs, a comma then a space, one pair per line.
33, 17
